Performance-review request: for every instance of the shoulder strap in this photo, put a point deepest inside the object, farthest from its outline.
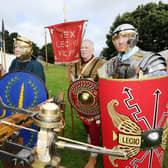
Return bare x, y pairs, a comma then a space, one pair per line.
97, 60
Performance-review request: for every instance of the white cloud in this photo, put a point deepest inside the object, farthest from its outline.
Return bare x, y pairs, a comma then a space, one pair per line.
29, 18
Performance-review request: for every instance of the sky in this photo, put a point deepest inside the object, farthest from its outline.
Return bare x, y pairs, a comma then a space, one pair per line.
30, 17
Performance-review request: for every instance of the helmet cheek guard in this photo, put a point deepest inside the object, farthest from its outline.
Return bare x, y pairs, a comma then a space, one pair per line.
133, 40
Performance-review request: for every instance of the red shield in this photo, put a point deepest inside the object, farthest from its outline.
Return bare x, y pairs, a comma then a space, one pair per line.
134, 120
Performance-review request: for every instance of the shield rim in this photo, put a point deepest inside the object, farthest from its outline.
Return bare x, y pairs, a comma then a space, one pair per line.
88, 115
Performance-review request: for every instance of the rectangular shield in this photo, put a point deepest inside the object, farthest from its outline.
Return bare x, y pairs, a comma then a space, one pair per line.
134, 120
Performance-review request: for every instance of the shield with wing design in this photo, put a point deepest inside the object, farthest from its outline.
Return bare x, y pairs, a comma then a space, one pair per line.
134, 120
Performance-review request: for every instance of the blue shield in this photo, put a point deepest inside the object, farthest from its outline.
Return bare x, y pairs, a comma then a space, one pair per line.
22, 90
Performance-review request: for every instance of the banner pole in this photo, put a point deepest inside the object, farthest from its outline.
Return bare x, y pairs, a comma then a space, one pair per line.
72, 117
4, 56
46, 56
3, 45
69, 77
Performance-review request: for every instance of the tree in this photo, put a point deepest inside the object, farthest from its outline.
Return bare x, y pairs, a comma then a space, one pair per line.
6, 37
36, 50
50, 54
151, 21
9, 39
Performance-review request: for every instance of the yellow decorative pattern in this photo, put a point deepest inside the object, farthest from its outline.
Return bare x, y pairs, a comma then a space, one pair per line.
21, 97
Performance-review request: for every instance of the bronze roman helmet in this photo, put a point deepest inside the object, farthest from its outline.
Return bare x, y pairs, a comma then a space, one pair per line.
126, 29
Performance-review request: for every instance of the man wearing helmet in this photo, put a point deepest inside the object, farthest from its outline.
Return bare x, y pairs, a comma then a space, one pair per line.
23, 62
131, 62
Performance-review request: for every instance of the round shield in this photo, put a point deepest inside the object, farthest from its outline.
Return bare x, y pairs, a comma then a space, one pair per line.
22, 90
83, 96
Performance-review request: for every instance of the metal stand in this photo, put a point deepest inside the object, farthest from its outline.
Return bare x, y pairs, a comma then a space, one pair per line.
16, 154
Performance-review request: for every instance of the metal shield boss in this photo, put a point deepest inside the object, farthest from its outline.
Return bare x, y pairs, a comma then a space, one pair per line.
83, 96
134, 120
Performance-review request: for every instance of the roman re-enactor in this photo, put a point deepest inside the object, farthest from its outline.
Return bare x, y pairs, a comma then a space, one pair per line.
134, 107
131, 61
87, 69
23, 61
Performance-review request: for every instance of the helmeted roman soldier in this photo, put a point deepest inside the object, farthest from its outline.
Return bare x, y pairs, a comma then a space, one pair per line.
133, 101
24, 62
131, 61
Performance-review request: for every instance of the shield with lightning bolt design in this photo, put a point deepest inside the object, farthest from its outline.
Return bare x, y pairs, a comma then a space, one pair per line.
22, 90
134, 120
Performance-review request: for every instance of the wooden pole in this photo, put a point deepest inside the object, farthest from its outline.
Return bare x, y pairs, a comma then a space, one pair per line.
69, 76
4, 55
72, 116
65, 13
46, 56
3, 46
1, 63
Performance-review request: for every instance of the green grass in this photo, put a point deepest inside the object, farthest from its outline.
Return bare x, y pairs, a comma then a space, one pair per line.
56, 82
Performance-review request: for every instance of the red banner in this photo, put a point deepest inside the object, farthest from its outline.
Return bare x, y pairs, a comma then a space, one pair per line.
66, 40
134, 121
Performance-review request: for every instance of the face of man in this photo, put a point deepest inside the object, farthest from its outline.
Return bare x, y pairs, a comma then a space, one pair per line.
18, 50
86, 50
22, 48
121, 42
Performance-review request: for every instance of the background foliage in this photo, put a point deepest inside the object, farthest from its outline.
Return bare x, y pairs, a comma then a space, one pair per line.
56, 82
151, 21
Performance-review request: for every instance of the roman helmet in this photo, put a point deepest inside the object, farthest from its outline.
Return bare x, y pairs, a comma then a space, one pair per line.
27, 45
126, 29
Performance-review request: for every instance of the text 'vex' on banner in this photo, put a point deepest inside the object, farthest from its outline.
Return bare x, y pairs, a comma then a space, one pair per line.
134, 115
66, 40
